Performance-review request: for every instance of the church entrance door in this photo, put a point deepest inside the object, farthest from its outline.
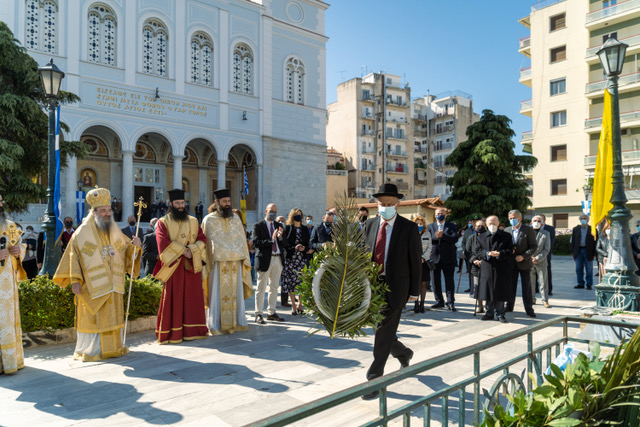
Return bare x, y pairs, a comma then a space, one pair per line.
147, 194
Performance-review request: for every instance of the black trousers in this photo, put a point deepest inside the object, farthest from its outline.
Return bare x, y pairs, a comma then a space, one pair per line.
549, 281
386, 342
525, 289
449, 282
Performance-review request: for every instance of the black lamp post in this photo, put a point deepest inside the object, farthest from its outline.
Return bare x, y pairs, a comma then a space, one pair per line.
51, 78
619, 287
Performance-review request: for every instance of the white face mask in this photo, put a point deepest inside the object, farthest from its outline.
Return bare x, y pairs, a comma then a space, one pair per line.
387, 212
608, 231
492, 228
536, 225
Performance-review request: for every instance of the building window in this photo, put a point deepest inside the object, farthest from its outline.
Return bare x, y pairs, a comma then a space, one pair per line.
609, 36
607, 3
243, 70
558, 187
102, 35
201, 59
154, 48
559, 118
559, 153
558, 86
557, 22
41, 25
561, 221
558, 54
295, 81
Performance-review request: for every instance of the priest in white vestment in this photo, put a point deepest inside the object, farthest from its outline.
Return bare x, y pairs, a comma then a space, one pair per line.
227, 282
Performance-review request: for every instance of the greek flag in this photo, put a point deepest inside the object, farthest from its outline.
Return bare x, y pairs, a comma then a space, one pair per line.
57, 202
246, 182
80, 206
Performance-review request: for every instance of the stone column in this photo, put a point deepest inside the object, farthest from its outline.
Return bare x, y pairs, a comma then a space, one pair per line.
203, 187
260, 203
177, 171
127, 184
222, 173
71, 180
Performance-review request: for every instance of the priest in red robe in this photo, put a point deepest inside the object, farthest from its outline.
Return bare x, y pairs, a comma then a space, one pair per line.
182, 249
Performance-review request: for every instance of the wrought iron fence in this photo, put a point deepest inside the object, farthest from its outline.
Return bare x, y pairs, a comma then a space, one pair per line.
534, 357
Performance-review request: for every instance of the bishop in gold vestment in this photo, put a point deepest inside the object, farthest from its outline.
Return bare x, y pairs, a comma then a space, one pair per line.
11, 355
228, 279
94, 264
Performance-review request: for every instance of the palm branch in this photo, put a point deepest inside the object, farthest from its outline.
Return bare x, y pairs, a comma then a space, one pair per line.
340, 288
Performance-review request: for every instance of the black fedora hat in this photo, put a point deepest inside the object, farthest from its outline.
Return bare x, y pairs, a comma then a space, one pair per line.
388, 189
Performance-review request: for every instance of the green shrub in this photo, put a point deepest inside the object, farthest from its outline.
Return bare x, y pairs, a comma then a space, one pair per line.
45, 306
562, 245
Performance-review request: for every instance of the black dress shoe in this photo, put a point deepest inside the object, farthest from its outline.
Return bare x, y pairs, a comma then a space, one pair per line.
438, 305
502, 319
260, 320
416, 307
274, 317
370, 396
531, 314
550, 294
468, 290
450, 306
578, 287
589, 288
487, 317
404, 361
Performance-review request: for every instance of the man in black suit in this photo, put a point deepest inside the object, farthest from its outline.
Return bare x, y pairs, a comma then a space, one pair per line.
635, 248
200, 211
268, 241
395, 244
552, 233
321, 234
524, 245
444, 237
583, 250
493, 252
150, 249
130, 230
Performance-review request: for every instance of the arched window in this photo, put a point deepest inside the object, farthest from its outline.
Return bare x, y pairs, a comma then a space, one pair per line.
154, 48
102, 35
201, 59
294, 88
243, 69
41, 25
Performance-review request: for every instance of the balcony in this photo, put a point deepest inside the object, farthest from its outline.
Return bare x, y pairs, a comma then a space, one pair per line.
396, 153
395, 103
419, 134
402, 186
399, 168
367, 133
368, 168
368, 98
526, 107
417, 149
527, 136
336, 172
627, 120
525, 76
444, 129
632, 41
612, 14
368, 150
420, 177
443, 146
625, 83
628, 157
525, 46
441, 179
368, 116
397, 120
401, 136
422, 117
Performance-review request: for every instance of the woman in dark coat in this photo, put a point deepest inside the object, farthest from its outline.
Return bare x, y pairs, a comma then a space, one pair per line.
479, 228
495, 274
296, 238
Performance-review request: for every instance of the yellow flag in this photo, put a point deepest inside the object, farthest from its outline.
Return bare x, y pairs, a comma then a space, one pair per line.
602, 186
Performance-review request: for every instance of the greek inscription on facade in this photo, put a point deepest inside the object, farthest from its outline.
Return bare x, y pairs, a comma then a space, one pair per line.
123, 100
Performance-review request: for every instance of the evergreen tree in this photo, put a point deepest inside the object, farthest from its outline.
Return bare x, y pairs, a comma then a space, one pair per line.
24, 125
489, 179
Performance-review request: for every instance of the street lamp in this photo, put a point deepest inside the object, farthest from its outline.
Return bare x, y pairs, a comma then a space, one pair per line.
51, 78
619, 288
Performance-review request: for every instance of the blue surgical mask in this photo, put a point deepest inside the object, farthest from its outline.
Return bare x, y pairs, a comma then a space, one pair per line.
420, 228
310, 222
638, 227
387, 212
469, 225
440, 217
584, 221
513, 221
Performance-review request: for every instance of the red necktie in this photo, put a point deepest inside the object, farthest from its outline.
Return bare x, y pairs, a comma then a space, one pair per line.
274, 246
381, 243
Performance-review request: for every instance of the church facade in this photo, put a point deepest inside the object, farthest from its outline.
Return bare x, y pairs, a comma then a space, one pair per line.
190, 94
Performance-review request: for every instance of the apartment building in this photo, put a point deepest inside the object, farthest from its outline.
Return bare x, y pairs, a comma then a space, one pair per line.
567, 92
393, 141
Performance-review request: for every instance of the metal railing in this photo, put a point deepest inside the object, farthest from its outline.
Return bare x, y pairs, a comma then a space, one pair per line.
525, 73
396, 153
627, 155
443, 146
397, 169
367, 133
624, 117
627, 79
525, 42
527, 135
534, 357
613, 10
526, 105
420, 149
631, 41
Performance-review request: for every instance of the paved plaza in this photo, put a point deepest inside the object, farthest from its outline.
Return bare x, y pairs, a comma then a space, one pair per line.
238, 379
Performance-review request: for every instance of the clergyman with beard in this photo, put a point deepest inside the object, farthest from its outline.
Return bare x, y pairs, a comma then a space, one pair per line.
228, 280
181, 247
94, 264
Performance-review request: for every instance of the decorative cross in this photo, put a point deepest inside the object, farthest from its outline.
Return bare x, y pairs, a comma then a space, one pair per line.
12, 233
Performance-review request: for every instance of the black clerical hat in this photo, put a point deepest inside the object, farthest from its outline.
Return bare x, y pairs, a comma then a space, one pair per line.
176, 194
388, 189
221, 193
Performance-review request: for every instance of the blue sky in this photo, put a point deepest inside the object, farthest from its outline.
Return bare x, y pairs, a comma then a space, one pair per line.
438, 46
